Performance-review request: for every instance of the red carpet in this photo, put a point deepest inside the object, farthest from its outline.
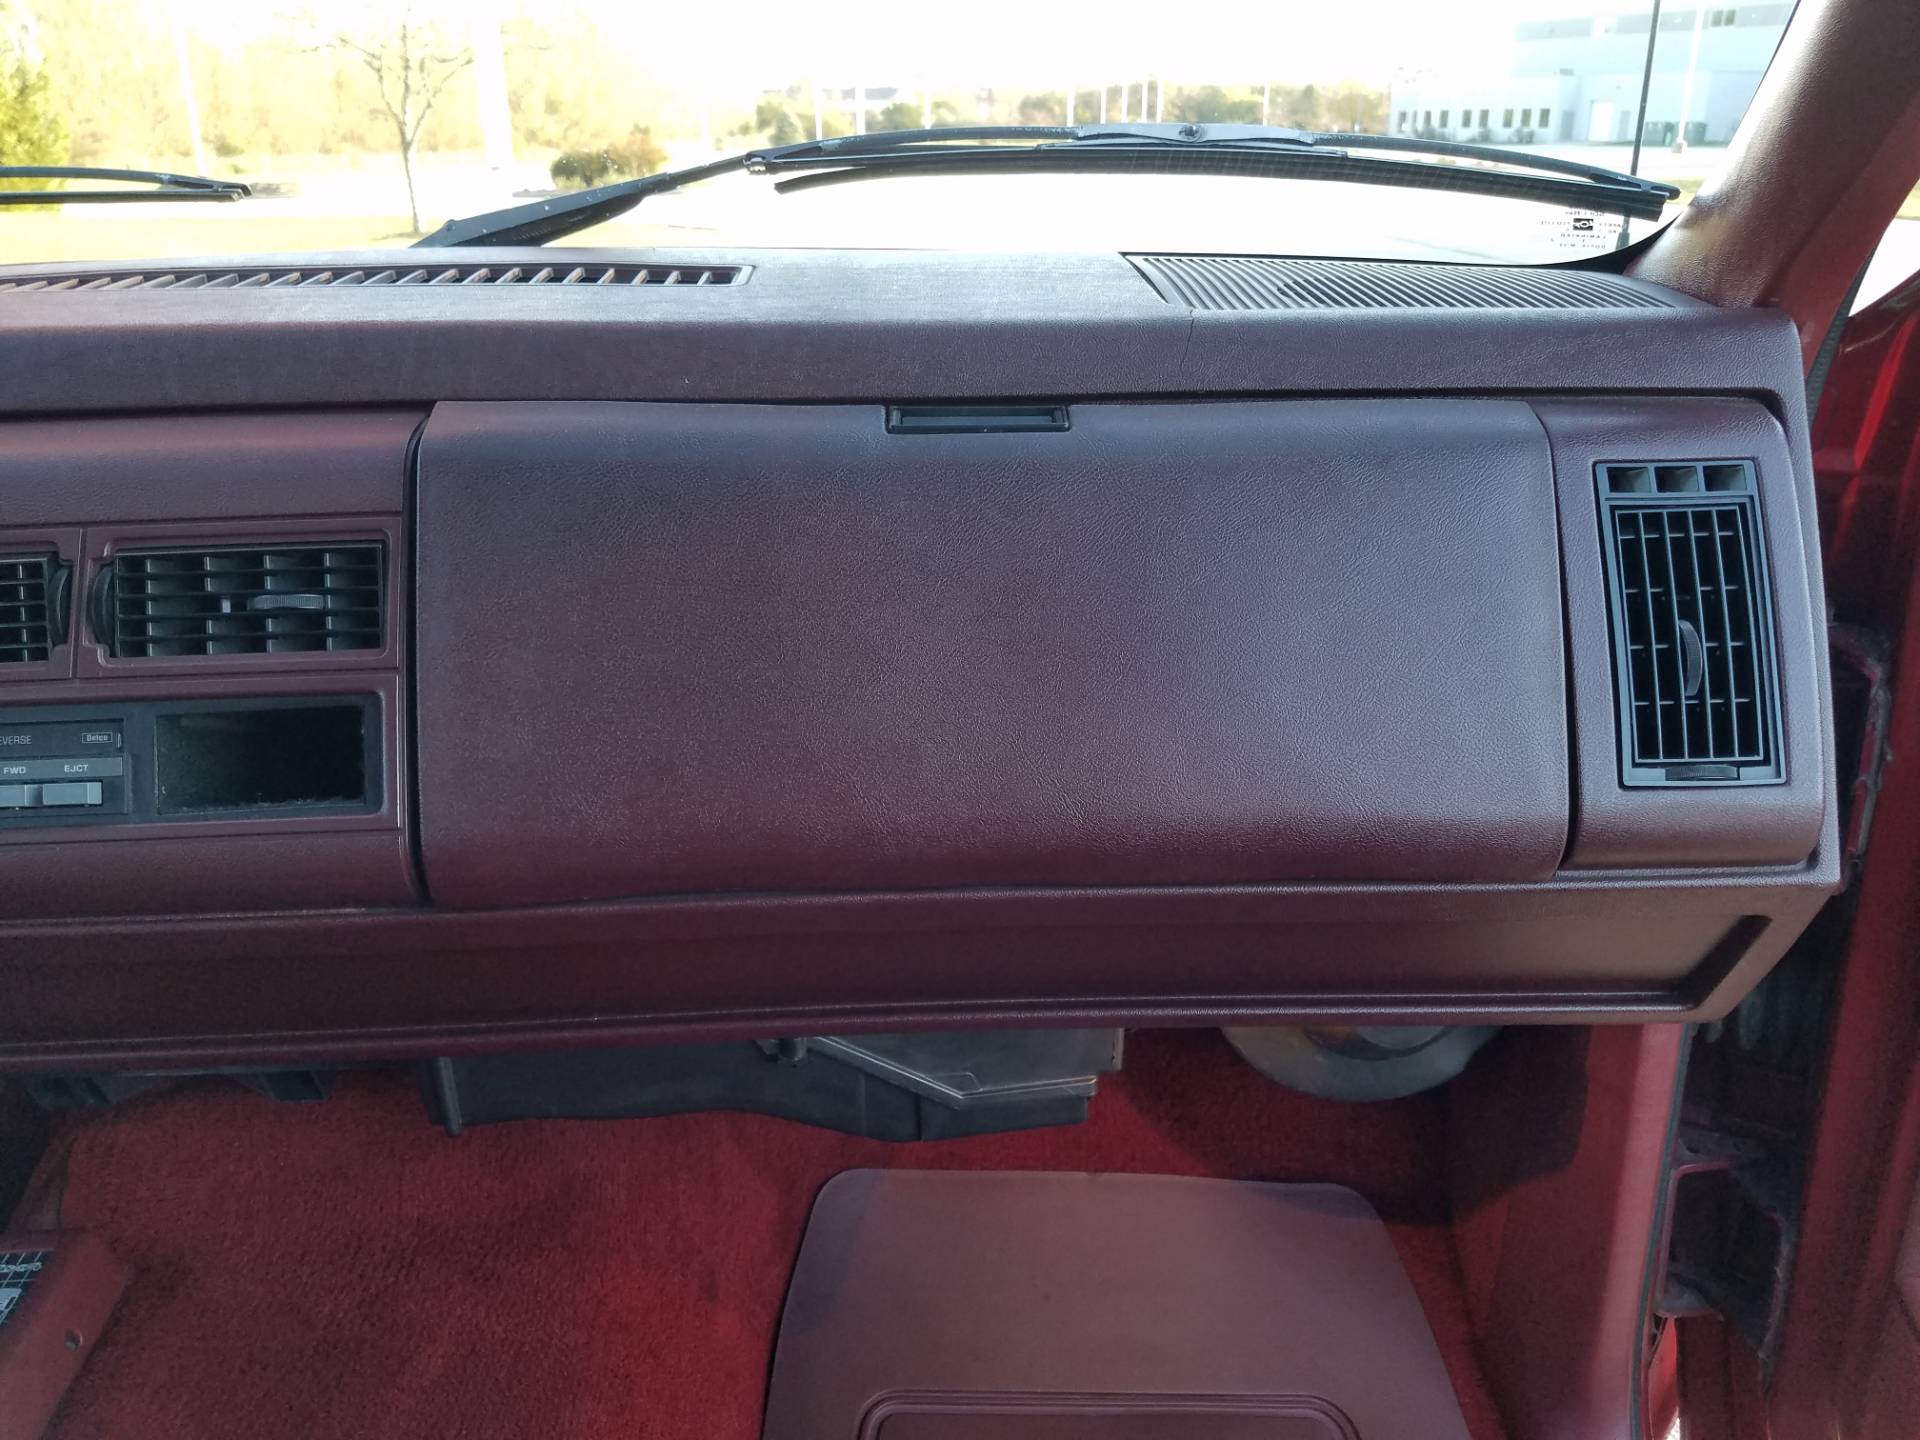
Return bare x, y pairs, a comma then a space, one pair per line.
344, 1270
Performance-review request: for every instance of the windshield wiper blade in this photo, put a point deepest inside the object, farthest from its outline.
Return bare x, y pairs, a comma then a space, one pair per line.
1237, 150
1183, 149
163, 186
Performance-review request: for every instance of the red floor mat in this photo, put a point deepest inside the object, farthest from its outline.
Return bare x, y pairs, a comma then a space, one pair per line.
345, 1270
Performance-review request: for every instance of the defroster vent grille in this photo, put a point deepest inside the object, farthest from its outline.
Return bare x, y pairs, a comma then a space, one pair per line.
397, 276
243, 601
1267, 282
1695, 674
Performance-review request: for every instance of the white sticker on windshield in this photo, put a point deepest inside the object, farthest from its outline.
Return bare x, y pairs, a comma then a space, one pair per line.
1583, 231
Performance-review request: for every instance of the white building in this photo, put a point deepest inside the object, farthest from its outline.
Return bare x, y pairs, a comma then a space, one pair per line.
1578, 80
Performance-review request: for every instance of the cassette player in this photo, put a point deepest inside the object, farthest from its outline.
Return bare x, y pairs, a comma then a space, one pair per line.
63, 767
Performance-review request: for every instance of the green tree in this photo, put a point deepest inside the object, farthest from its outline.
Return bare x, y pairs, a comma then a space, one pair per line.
1213, 105
1303, 107
112, 81
908, 115
637, 154
567, 74
773, 117
786, 119
628, 158
1047, 109
1356, 107
31, 130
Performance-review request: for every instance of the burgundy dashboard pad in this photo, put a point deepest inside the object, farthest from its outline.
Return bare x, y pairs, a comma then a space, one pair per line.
774, 719
981, 1306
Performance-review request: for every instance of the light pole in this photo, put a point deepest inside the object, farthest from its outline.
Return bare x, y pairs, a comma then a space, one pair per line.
1693, 68
490, 87
187, 98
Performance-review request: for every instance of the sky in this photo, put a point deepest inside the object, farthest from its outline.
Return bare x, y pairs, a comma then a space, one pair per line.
1030, 44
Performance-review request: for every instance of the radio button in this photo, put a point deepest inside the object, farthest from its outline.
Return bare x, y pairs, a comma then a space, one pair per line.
86, 792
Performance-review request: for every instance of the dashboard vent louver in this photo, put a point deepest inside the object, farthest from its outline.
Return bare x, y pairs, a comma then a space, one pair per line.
1695, 677
32, 608
257, 600
397, 276
1265, 282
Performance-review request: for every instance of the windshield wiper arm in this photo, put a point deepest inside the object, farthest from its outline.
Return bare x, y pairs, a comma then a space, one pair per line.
165, 186
539, 221
1180, 149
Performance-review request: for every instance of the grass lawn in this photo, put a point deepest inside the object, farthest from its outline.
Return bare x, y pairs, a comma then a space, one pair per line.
99, 233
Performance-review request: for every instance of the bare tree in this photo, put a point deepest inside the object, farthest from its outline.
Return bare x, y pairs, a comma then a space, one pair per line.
412, 65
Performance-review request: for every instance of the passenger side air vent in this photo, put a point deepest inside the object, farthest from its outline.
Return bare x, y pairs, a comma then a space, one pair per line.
399, 275
33, 607
253, 601
1695, 677
1265, 282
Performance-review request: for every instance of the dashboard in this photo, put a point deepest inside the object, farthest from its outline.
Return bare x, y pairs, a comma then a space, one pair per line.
541, 647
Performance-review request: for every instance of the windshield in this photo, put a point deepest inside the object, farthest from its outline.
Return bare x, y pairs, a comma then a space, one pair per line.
362, 125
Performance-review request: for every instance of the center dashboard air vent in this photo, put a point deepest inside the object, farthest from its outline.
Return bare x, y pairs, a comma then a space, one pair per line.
1695, 677
33, 607
1269, 282
252, 600
678, 276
